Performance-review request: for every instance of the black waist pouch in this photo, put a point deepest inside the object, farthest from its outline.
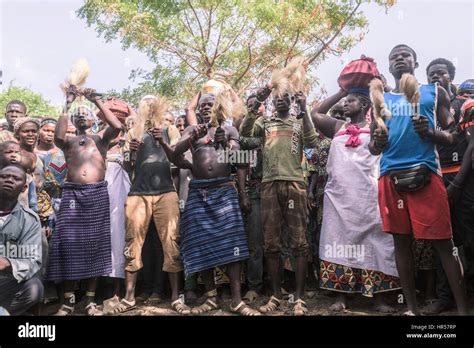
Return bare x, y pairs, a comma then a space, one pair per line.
412, 179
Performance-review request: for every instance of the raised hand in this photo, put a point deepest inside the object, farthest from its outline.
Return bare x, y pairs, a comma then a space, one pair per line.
263, 93
300, 100
71, 95
219, 136
90, 94
199, 131
380, 139
158, 134
135, 145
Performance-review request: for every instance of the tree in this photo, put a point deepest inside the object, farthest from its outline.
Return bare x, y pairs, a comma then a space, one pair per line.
191, 41
36, 104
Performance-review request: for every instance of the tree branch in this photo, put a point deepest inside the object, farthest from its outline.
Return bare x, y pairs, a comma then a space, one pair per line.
199, 24
214, 57
249, 64
292, 47
336, 34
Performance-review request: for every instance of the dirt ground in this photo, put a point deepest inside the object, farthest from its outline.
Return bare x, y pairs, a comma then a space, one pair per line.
318, 304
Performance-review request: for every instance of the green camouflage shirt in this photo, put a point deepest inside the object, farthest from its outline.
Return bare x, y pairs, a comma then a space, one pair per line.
283, 143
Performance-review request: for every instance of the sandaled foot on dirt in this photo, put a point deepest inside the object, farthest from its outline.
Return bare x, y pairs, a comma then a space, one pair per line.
92, 310
250, 296
64, 311
207, 306
338, 306
180, 307
124, 306
245, 310
154, 299
300, 308
272, 305
144, 296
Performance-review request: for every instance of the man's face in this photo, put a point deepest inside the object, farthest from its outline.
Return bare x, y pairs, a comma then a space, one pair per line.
401, 60
83, 119
28, 134
352, 106
168, 120
14, 112
205, 107
11, 154
12, 182
46, 133
282, 103
180, 124
439, 73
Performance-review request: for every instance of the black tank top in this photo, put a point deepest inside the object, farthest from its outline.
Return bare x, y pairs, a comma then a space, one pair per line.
152, 169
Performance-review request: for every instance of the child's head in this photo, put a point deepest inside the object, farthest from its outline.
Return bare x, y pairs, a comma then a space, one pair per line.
10, 153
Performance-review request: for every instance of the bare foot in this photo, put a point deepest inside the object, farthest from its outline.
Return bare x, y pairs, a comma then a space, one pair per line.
384, 308
381, 306
338, 306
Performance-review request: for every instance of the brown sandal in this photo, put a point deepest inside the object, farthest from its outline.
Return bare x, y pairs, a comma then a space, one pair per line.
272, 305
180, 307
300, 308
123, 306
207, 306
245, 310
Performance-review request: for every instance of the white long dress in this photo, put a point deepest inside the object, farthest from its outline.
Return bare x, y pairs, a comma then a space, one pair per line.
351, 233
118, 184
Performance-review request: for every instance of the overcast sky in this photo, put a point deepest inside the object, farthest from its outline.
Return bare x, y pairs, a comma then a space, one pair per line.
40, 40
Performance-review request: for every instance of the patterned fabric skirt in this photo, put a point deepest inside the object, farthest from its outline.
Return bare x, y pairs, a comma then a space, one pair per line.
212, 228
355, 280
81, 245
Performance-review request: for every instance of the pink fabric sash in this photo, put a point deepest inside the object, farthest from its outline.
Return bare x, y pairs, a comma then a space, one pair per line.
353, 131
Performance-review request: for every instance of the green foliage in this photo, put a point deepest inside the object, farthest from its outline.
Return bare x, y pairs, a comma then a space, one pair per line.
36, 104
241, 41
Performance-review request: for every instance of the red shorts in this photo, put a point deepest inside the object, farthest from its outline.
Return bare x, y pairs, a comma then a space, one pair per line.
425, 212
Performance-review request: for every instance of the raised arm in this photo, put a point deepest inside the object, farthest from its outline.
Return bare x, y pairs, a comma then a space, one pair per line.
191, 110
310, 137
61, 127
115, 126
329, 102
325, 124
60, 131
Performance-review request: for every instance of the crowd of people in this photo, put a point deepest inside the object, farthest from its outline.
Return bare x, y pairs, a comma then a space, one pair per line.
105, 202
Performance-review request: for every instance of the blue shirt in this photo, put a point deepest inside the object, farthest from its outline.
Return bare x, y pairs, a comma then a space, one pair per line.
405, 148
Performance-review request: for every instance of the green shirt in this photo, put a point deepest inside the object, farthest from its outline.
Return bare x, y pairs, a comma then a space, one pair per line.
283, 143
20, 242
